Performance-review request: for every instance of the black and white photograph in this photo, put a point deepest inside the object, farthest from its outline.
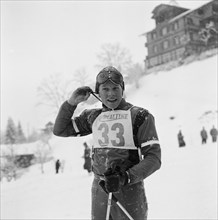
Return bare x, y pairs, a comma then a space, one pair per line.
108, 110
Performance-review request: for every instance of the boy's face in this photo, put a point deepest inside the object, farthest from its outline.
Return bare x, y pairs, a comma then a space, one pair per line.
111, 94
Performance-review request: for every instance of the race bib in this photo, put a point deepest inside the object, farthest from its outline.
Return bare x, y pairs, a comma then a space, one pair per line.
113, 129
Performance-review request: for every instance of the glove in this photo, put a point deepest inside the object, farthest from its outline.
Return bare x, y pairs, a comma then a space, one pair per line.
79, 95
115, 179
83, 90
121, 163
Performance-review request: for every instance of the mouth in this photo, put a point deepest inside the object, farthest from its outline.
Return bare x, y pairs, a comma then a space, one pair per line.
112, 100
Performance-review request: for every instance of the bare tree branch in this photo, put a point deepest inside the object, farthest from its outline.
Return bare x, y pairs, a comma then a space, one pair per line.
53, 91
114, 55
81, 77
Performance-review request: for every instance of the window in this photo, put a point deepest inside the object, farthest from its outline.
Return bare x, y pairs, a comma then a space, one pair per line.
165, 44
166, 57
200, 11
153, 61
191, 35
155, 48
176, 40
164, 31
160, 59
176, 25
153, 35
173, 55
172, 27
189, 21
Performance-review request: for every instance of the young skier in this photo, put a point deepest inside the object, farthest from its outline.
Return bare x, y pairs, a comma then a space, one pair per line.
126, 146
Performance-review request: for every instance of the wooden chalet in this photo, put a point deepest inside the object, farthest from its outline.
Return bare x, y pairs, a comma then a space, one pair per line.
180, 32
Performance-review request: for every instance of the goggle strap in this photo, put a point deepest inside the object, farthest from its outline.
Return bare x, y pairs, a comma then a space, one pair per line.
96, 96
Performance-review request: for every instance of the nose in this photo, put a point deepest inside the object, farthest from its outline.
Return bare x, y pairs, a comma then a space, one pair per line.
111, 93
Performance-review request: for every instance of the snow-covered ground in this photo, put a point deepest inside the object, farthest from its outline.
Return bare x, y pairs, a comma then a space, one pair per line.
184, 188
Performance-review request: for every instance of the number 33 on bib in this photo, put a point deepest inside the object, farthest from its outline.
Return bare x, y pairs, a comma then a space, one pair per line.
113, 129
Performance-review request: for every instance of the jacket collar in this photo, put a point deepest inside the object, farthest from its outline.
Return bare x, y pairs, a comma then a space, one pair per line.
122, 106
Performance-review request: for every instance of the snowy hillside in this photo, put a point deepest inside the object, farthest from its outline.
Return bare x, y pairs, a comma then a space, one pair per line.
184, 188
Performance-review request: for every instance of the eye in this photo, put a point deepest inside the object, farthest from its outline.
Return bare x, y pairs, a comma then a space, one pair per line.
116, 88
105, 89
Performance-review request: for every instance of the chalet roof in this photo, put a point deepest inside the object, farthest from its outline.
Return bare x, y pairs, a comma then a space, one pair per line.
163, 7
188, 12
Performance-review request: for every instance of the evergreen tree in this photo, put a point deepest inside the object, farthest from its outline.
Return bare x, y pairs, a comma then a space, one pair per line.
10, 134
20, 135
2, 137
11, 139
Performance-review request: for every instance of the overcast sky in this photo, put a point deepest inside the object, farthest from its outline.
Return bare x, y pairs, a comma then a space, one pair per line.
40, 38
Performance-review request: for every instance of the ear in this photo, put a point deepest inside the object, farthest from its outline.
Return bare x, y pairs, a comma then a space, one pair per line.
122, 90
99, 94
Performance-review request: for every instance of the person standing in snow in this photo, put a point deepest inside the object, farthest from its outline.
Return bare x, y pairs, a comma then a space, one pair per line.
87, 157
126, 148
181, 139
213, 133
203, 136
57, 165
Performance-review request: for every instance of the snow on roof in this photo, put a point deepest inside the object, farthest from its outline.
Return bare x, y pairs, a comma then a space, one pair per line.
187, 12
181, 15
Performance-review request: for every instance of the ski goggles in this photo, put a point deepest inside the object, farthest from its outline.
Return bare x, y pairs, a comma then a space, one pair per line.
111, 74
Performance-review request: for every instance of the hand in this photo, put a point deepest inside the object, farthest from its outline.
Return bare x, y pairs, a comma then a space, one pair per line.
121, 163
81, 94
115, 179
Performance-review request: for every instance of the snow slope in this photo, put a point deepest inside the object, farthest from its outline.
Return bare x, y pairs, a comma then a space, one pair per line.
184, 188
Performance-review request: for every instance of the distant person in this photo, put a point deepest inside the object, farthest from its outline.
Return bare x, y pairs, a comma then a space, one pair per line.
203, 136
181, 139
213, 133
87, 156
57, 165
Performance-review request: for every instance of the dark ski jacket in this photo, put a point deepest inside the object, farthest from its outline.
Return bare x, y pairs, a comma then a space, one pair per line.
204, 134
213, 132
144, 135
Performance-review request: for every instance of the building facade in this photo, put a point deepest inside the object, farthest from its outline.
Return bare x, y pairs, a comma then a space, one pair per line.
180, 32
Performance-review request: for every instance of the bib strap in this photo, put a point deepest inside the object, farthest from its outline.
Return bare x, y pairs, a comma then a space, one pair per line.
140, 118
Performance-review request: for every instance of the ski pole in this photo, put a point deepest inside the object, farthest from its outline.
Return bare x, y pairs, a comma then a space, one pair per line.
101, 183
108, 206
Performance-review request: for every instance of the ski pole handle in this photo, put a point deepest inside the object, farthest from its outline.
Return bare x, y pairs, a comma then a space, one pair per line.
101, 183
